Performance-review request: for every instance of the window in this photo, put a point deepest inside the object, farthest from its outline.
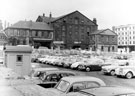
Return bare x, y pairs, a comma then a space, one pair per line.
63, 28
113, 48
92, 84
39, 33
19, 58
15, 32
102, 48
133, 42
109, 49
76, 20
76, 87
33, 33
36, 34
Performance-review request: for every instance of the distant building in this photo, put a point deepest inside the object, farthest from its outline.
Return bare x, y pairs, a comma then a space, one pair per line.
71, 30
103, 40
28, 32
126, 36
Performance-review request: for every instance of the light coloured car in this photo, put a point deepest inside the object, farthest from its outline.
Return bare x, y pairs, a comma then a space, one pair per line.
105, 91
125, 71
110, 69
72, 84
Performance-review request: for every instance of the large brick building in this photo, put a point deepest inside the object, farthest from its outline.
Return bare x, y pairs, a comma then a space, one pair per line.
71, 30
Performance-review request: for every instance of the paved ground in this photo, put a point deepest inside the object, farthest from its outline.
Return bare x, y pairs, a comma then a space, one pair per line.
109, 80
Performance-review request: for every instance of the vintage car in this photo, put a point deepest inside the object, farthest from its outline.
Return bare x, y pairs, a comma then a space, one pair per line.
105, 91
50, 78
36, 72
91, 65
110, 69
69, 62
125, 71
72, 84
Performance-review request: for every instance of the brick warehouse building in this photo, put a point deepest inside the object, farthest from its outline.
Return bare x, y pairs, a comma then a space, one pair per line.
71, 30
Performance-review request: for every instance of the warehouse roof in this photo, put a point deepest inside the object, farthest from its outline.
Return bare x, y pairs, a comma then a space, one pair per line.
31, 25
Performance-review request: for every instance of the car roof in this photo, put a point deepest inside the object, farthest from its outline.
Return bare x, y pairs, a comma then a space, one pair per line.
59, 71
45, 69
83, 79
109, 91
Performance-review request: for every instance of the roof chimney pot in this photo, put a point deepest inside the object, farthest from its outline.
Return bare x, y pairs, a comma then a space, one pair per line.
50, 15
43, 14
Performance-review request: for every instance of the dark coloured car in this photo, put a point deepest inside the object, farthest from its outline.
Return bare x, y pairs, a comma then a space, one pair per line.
50, 78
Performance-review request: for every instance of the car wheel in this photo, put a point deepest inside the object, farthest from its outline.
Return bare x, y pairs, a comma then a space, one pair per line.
129, 75
88, 69
112, 72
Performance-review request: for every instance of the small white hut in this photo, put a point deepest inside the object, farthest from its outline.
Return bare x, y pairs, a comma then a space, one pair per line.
18, 58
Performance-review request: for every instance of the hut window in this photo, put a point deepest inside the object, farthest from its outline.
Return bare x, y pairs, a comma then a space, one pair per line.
19, 58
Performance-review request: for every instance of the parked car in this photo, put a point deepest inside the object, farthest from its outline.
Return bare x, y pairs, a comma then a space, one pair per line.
105, 91
91, 65
126, 71
36, 72
68, 62
110, 69
72, 84
50, 78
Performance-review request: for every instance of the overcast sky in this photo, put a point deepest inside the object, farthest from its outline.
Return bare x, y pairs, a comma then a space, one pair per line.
107, 12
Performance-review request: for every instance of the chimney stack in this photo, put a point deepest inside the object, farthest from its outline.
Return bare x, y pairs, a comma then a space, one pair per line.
94, 20
43, 14
50, 15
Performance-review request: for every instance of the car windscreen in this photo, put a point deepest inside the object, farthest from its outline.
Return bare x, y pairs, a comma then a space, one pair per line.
63, 85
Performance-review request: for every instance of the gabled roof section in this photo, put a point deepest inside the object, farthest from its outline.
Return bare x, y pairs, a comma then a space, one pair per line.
70, 14
31, 25
46, 19
104, 32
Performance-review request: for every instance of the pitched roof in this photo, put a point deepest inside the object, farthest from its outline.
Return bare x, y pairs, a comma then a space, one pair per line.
31, 25
70, 14
104, 32
47, 19
18, 48
53, 19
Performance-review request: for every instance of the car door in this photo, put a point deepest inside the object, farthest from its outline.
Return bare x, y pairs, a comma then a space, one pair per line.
76, 87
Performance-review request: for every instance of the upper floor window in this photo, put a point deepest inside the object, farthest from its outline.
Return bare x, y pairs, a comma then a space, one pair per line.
39, 33
63, 28
88, 29
15, 32
33, 33
76, 20
36, 34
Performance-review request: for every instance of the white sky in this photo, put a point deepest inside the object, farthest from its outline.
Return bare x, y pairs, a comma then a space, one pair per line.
108, 12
